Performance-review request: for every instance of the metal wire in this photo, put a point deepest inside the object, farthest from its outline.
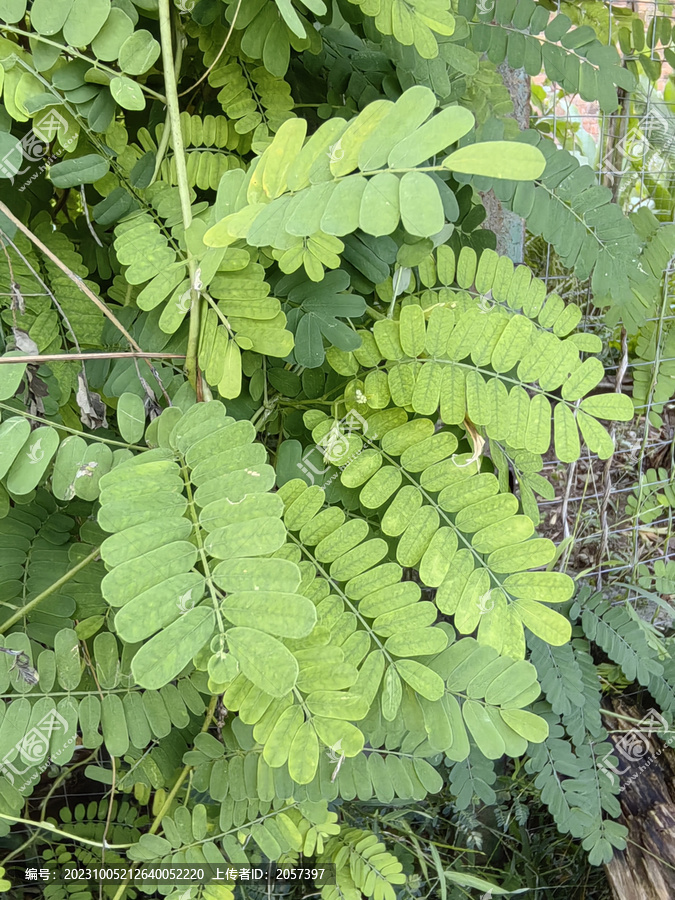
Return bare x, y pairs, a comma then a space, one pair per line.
635, 152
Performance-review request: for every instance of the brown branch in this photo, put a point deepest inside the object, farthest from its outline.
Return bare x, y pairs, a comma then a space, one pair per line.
66, 357
604, 525
79, 283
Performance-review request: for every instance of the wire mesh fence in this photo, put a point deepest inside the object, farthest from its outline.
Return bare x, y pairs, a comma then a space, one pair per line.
605, 508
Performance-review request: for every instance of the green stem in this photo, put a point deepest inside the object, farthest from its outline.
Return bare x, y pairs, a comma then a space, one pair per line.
59, 427
374, 313
173, 112
200, 547
343, 596
214, 306
161, 149
73, 837
17, 851
19, 614
166, 133
71, 51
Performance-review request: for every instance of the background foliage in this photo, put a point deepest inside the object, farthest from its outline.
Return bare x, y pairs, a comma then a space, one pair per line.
277, 420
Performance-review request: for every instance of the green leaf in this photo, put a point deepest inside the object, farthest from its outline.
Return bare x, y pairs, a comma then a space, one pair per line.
9, 144
81, 170
589, 374
303, 757
436, 135
264, 660
345, 153
479, 883
127, 93
482, 729
138, 53
338, 705
256, 538
13, 435
380, 210
421, 679
553, 587
609, 406
417, 642
279, 157
108, 42
245, 574
528, 555
282, 614
290, 17
566, 434
141, 174
31, 463
528, 725
546, 623
411, 109
309, 343
70, 456
510, 683
66, 651
498, 159
279, 743
596, 437
166, 654
131, 417
158, 606
12, 11
85, 20
338, 732
392, 691
48, 16
421, 207
11, 375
